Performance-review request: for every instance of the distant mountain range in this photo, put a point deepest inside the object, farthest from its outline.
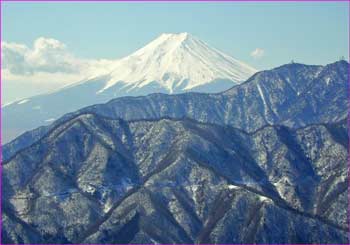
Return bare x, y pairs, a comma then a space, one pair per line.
294, 95
172, 63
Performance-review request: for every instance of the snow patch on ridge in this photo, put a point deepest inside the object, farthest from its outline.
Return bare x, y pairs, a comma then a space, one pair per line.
23, 101
264, 102
50, 120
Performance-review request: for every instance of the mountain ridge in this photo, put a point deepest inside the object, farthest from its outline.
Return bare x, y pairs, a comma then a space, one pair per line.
228, 107
185, 152
188, 119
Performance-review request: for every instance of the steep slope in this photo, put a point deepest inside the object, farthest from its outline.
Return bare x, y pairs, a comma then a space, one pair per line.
172, 63
176, 63
98, 180
294, 95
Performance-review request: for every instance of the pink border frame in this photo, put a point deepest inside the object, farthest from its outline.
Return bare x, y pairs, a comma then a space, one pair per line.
169, 1
174, 1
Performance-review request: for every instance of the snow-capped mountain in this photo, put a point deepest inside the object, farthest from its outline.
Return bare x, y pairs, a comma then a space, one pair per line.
172, 63
176, 63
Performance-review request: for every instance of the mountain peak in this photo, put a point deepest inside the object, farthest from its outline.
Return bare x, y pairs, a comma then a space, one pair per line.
166, 42
176, 36
177, 62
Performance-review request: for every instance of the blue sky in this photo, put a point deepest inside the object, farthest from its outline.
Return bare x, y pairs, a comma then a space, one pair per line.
311, 33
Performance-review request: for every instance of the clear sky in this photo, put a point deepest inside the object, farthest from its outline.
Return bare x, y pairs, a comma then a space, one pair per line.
311, 33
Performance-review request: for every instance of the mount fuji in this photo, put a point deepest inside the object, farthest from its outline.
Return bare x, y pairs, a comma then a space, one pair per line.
176, 63
172, 63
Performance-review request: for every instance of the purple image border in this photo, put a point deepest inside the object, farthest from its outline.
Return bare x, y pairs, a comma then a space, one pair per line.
169, 1
174, 1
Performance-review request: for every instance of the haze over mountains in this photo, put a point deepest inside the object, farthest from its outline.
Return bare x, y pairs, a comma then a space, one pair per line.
172, 63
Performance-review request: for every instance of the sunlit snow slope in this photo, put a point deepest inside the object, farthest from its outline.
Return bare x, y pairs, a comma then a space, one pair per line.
177, 62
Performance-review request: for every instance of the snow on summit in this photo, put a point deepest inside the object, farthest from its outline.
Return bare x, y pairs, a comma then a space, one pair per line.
177, 62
